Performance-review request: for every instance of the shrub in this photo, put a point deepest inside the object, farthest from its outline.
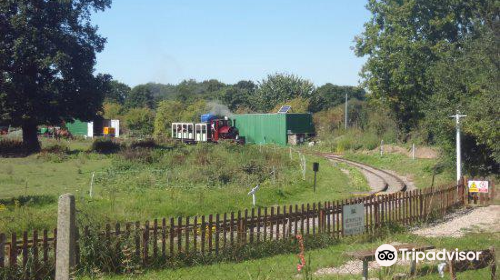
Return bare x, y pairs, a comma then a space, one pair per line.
146, 143
56, 149
142, 155
105, 146
12, 147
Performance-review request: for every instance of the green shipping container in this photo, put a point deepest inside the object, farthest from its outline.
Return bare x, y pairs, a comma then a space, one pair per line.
272, 128
77, 128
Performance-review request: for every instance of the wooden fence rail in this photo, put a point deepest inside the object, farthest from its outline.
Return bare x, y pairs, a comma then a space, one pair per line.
212, 234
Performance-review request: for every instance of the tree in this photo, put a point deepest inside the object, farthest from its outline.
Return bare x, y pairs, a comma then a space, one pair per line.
298, 105
47, 57
140, 120
140, 96
279, 88
402, 41
329, 96
466, 78
118, 92
239, 95
168, 111
112, 110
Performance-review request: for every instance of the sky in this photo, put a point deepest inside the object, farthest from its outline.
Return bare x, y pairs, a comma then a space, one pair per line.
167, 41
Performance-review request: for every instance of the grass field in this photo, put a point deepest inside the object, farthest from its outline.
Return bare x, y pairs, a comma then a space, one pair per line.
285, 266
168, 181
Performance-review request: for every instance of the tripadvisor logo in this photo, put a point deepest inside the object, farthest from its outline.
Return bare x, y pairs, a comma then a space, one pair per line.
387, 255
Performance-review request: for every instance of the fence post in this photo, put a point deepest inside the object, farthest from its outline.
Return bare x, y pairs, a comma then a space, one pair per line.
65, 249
2, 249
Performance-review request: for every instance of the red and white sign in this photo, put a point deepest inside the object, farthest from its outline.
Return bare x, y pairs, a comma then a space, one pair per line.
478, 186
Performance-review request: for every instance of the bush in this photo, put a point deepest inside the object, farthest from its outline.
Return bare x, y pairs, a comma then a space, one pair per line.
104, 146
146, 143
56, 149
141, 155
12, 147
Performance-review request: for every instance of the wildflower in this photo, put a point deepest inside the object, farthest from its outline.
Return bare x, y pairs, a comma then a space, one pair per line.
2, 207
302, 260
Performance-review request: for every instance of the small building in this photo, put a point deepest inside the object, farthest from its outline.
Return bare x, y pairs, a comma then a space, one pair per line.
281, 129
94, 128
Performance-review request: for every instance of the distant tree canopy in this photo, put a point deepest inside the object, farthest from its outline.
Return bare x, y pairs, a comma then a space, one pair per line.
140, 120
117, 92
47, 57
403, 39
279, 88
329, 96
239, 95
140, 97
427, 59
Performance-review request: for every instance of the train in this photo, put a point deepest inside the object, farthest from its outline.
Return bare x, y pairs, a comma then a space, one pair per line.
212, 128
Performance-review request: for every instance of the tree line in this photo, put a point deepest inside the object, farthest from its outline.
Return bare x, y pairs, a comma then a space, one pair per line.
189, 99
426, 60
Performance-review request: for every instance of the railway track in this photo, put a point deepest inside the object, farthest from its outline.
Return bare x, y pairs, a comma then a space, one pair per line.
381, 181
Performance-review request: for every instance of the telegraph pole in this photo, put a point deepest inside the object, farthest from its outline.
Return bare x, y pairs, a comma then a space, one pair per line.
345, 120
457, 117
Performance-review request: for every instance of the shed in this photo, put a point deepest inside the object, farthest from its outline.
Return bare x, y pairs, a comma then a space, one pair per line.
281, 129
77, 128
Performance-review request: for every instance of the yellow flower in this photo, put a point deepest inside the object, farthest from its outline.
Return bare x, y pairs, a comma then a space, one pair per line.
2, 207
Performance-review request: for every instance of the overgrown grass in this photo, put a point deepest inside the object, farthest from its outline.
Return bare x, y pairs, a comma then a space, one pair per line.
420, 171
285, 266
142, 183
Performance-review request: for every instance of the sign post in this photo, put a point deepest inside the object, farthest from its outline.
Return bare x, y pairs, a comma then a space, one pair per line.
315, 169
353, 219
252, 192
457, 117
478, 186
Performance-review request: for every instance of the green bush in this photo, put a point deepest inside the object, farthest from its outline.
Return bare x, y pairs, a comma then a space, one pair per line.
145, 143
104, 146
12, 147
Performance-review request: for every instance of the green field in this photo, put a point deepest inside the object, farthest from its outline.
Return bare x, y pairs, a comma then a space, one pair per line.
141, 184
285, 266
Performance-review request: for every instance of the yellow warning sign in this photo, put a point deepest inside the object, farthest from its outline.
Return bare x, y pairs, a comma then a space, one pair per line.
478, 186
473, 187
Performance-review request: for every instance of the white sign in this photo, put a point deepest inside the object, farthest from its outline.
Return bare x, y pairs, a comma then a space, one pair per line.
478, 186
353, 219
252, 193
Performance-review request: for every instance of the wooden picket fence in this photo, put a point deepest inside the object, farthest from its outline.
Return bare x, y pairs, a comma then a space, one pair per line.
211, 234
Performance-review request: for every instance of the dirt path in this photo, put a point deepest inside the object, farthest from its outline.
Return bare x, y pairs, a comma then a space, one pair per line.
477, 219
456, 224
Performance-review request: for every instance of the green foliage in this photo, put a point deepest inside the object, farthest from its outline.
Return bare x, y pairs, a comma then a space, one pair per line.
368, 124
140, 97
48, 53
117, 92
299, 105
140, 120
278, 88
12, 147
329, 96
239, 95
168, 111
104, 146
401, 40
426, 65
112, 110
466, 79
